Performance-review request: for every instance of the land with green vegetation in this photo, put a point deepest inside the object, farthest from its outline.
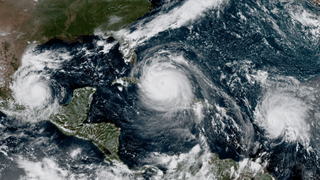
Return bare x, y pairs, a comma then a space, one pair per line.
27, 21
70, 121
220, 169
106, 137
38, 22
68, 19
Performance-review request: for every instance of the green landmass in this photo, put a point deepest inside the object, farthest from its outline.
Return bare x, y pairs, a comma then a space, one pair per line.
125, 81
218, 169
227, 168
106, 137
70, 121
68, 19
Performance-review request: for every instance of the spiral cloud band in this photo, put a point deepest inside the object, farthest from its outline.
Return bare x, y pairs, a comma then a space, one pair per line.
282, 115
32, 87
32, 91
163, 87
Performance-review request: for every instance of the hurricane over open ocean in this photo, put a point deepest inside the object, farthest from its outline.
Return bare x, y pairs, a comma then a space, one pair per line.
190, 84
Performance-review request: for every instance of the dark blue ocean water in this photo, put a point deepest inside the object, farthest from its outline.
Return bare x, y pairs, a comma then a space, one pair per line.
34, 142
240, 38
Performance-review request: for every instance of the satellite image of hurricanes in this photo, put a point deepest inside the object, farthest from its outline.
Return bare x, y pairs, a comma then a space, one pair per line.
159, 90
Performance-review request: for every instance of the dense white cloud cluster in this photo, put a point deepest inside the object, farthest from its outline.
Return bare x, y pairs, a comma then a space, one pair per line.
283, 116
163, 87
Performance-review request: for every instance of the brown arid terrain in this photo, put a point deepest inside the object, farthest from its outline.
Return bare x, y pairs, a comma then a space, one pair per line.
317, 1
16, 27
24, 21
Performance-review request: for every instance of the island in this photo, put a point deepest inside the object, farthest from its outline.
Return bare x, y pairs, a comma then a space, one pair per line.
36, 22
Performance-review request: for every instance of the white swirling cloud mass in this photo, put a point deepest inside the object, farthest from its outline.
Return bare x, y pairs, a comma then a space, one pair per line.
32, 91
283, 116
163, 87
32, 87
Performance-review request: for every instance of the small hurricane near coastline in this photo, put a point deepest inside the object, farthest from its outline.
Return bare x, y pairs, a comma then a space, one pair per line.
199, 89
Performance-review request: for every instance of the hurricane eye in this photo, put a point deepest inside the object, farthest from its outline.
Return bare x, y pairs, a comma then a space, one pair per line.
164, 88
283, 116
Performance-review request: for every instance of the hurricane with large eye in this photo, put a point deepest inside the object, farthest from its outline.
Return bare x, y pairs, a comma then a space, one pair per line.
195, 89
166, 82
168, 94
163, 87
